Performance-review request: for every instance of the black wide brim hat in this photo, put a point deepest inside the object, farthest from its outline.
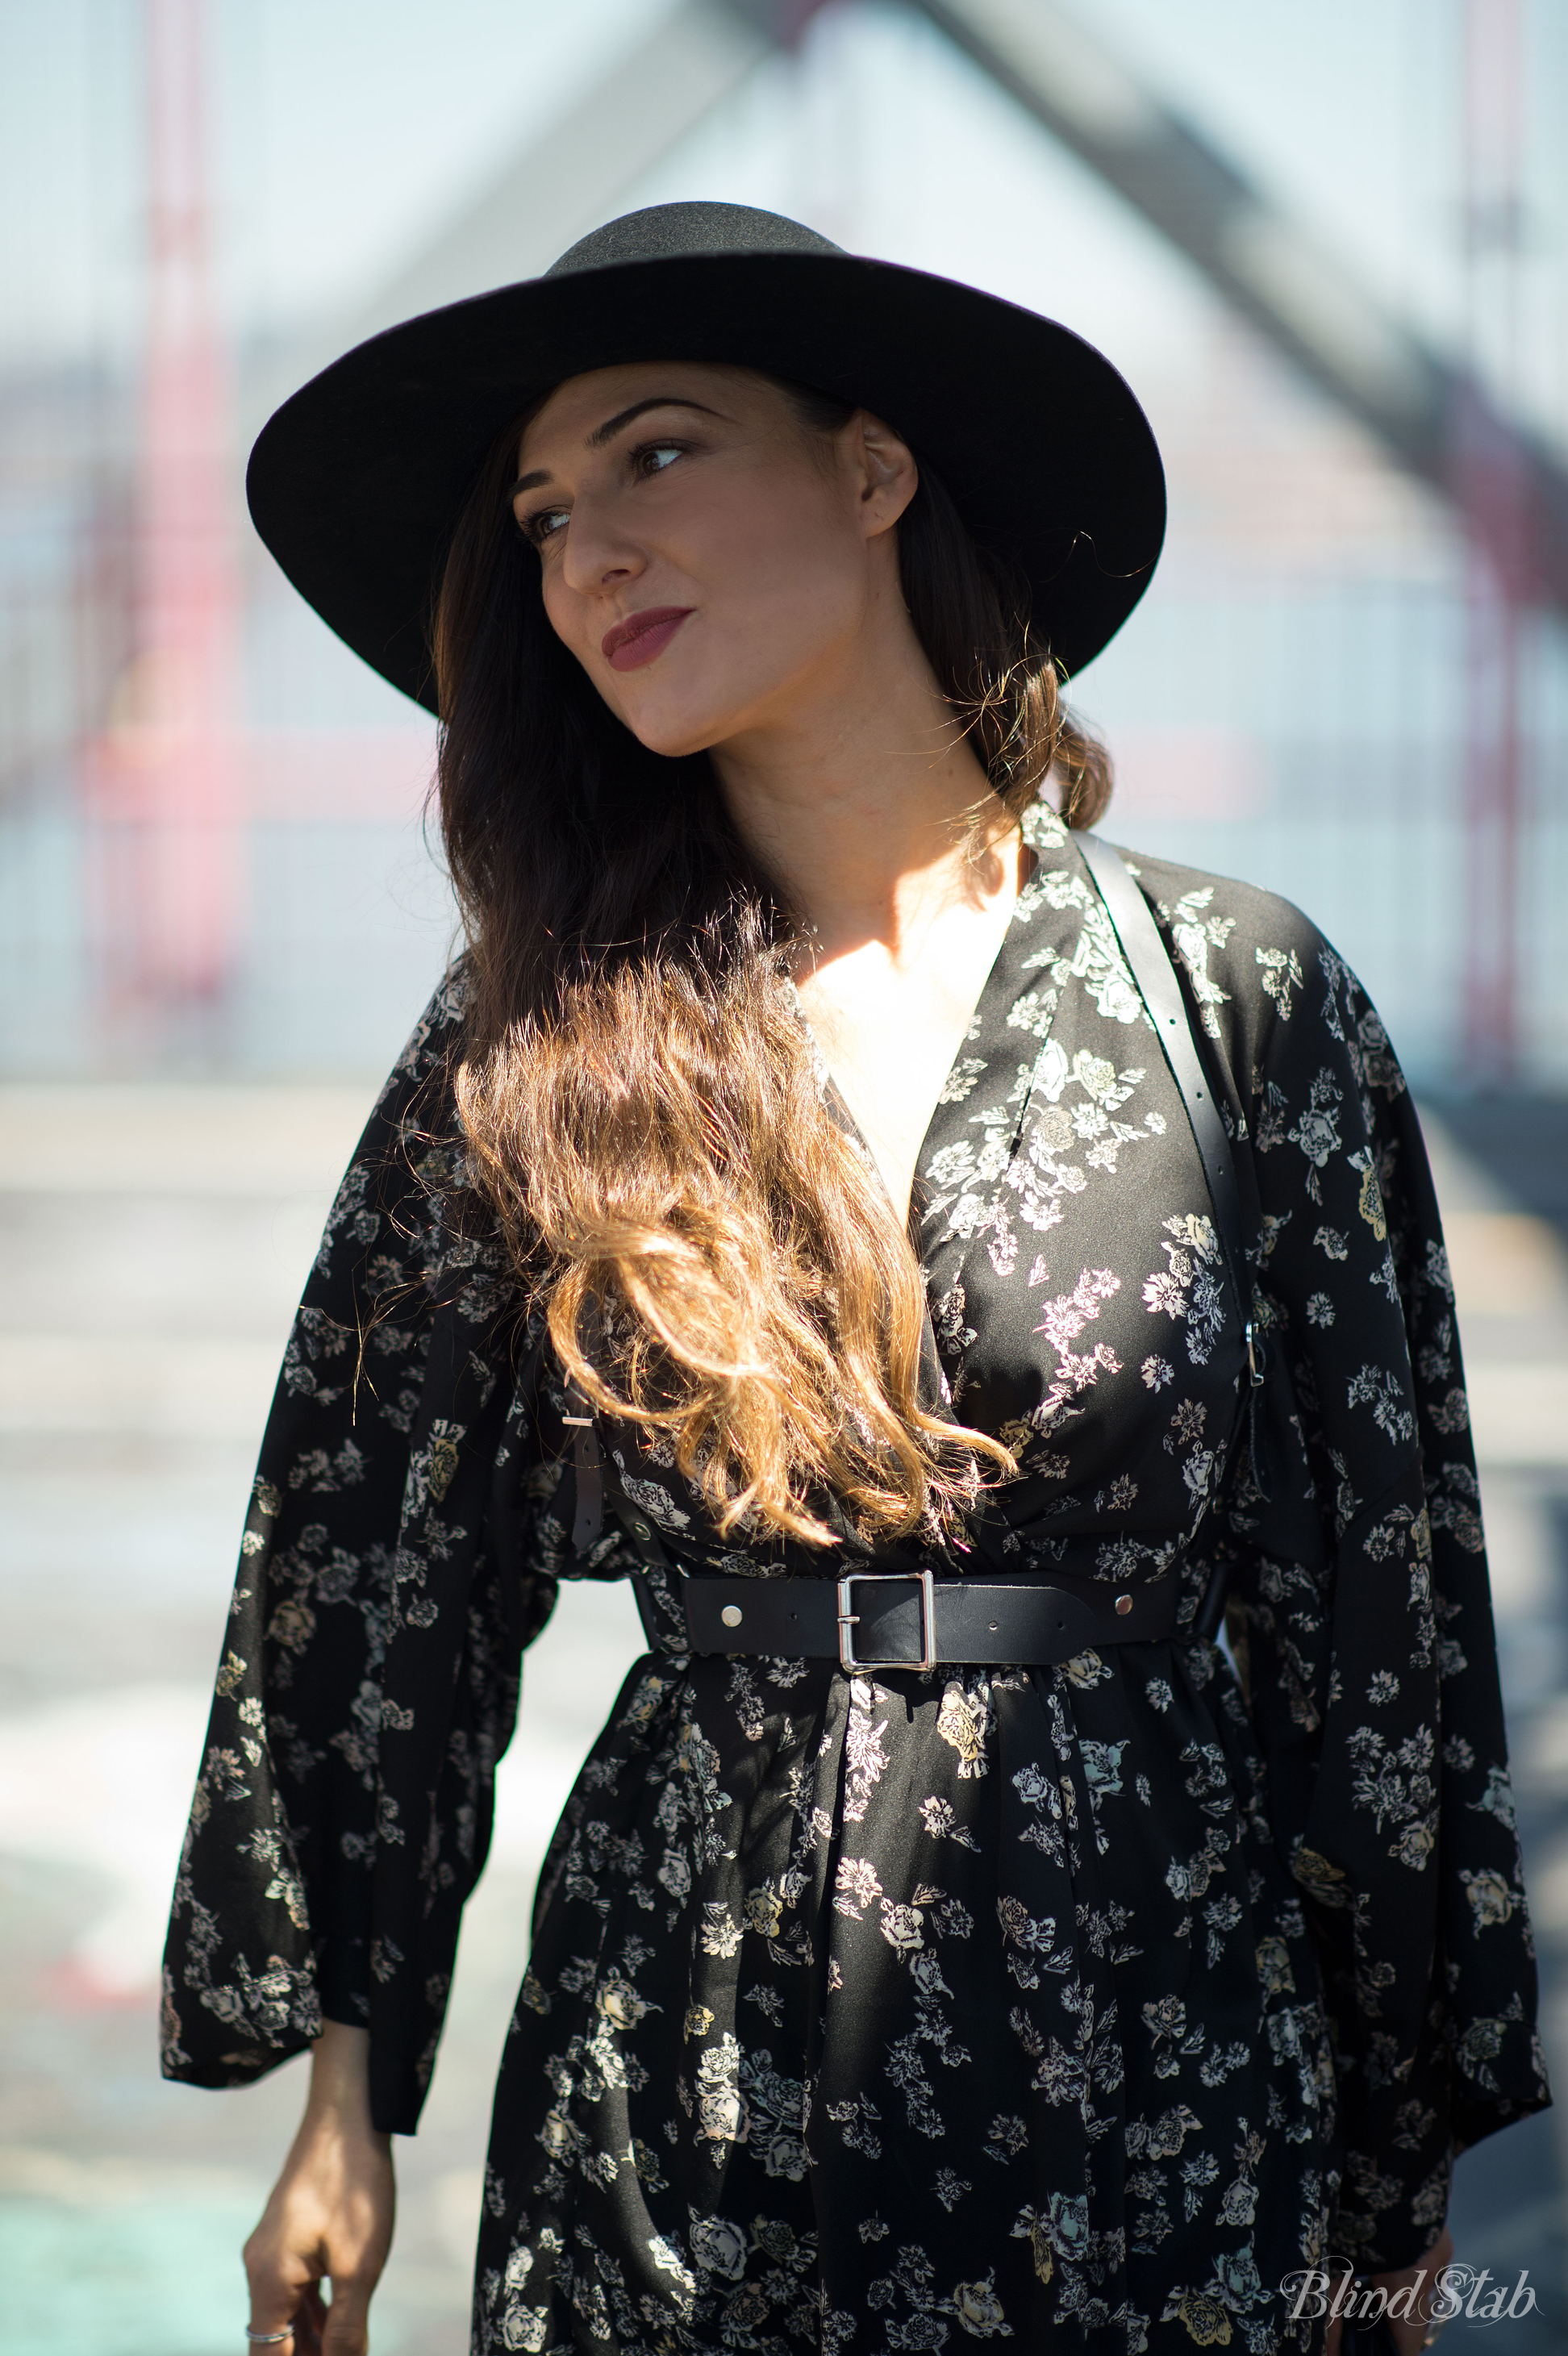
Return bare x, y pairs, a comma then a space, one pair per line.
356, 483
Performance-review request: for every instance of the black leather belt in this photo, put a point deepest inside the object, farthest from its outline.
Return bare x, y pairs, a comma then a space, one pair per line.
913, 1620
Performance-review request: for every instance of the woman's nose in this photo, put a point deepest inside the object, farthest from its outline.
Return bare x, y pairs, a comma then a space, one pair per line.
596, 556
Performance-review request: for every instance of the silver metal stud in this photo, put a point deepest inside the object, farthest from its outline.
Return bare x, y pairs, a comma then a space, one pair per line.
732, 1615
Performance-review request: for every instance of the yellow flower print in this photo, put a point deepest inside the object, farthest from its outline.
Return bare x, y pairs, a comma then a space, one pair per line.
1416, 1845
644, 1702
1206, 2321
1492, 1900
620, 2004
443, 1462
1324, 1881
961, 1722
1086, 1668
979, 2310
292, 1624
1274, 1967
1371, 1204
764, 1911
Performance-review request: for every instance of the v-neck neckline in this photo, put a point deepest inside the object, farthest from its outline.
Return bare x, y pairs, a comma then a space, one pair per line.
1036, 825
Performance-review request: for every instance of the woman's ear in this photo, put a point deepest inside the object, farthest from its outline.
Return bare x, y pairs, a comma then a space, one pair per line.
888, 476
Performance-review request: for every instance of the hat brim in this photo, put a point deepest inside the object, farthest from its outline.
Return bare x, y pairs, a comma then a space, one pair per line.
356, 483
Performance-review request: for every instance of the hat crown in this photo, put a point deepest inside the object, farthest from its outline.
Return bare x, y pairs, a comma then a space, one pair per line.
663, 233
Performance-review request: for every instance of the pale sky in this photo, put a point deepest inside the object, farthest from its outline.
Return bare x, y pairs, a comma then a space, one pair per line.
344, 132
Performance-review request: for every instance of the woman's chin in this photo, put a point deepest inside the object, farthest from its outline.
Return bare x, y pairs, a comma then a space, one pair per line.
675, 736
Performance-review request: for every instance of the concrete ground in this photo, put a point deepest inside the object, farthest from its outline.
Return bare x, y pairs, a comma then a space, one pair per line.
152, 1242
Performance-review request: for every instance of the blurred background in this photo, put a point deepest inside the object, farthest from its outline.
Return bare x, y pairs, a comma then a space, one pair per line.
1329, 249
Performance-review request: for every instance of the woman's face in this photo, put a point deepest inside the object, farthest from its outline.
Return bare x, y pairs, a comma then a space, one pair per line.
709, 559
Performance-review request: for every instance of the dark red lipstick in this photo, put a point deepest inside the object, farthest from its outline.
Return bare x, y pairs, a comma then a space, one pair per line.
636, 642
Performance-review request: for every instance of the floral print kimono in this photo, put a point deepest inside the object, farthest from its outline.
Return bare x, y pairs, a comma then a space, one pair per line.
902, 2010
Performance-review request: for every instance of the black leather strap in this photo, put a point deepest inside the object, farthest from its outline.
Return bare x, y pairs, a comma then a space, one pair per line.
1155, 976
588, 1472
893, 1624
1157, 987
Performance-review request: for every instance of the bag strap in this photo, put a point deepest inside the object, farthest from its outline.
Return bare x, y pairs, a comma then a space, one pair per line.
1150, 964
589, 1474
595, 1485
1152, 970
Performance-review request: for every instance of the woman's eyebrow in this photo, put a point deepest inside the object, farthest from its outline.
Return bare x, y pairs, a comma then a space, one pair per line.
611, 427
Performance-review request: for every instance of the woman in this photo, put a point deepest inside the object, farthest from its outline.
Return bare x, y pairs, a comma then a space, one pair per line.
789, 1184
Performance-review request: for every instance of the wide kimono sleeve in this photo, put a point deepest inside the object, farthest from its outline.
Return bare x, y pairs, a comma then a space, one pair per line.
1361, 1611
370, 1679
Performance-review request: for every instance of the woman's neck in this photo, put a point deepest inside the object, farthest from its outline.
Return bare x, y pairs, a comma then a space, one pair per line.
861, 804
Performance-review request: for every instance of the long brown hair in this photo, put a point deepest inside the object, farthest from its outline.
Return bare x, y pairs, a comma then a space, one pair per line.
716, 1260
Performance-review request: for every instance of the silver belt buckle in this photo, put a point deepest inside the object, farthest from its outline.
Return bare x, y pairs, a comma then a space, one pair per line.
849, 1619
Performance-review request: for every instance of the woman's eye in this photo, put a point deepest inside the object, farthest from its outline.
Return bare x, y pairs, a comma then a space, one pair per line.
648, 459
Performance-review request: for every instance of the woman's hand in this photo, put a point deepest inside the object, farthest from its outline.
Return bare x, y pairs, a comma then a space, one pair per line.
330, 2214
1410, 2332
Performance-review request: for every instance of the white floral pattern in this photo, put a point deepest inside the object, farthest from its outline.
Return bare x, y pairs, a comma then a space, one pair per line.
899, 2010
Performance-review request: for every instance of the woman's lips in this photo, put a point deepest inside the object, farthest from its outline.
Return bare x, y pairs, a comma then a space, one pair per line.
635, 642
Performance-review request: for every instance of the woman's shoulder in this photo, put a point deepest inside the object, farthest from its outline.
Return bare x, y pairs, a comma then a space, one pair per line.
1238, 920
1270, 987
1258, 942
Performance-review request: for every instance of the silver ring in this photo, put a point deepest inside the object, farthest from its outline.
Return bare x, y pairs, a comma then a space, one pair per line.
268, 2339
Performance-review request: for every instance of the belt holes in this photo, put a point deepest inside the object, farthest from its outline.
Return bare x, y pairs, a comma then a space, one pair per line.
994, 1627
